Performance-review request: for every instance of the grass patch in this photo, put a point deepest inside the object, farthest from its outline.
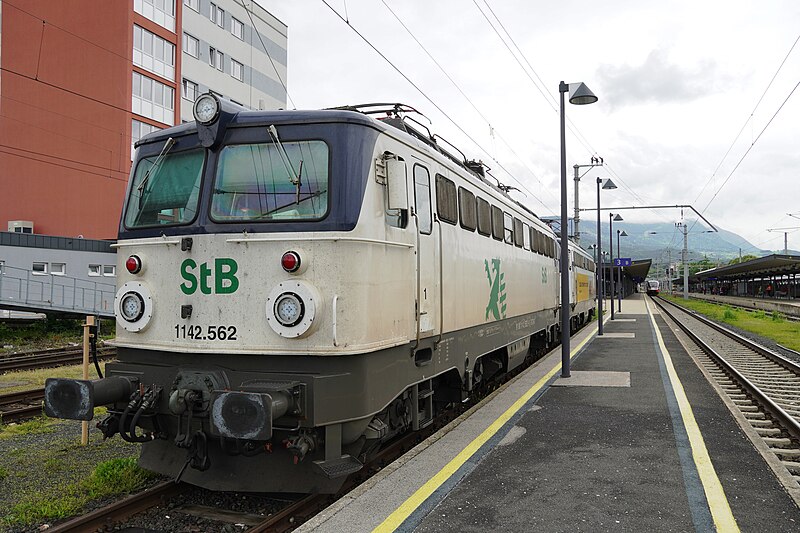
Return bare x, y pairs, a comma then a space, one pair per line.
772, 326
48, 333
35, 426
109, 478
31, 379
3, 473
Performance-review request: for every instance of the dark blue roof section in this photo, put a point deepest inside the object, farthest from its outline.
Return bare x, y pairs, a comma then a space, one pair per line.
266, 118
28, 240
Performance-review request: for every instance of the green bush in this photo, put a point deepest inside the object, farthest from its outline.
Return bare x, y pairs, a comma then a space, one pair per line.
777, 317
729, 314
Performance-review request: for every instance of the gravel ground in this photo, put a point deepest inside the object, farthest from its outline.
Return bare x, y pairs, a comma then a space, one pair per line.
46, 461
43, 463
763, 341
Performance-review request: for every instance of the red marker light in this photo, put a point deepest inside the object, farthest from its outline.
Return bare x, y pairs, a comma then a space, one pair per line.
133, 264
290, 261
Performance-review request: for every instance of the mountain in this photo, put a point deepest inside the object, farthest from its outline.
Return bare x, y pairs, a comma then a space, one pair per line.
662, 241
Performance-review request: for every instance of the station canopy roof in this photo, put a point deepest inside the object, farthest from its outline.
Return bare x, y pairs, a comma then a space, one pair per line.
770, 265
637, 271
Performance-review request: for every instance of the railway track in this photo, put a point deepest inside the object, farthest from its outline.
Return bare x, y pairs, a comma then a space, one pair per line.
50, 358
109, 515
285, 518
762, 384
17, 406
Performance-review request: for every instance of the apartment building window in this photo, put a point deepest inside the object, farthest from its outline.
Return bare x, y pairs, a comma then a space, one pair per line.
216, 59
190, 90
237, 69
109, 270
153, 53
58, 269
237, 28
162, 12
217, 15
191, 45
153, 99
95, 270
139, 130
39, 268
194, 4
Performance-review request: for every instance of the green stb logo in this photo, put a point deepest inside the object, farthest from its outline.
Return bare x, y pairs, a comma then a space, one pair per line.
497, 290
224, 276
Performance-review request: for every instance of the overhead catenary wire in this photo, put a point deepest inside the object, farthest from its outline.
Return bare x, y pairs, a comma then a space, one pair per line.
550, 99
749, 148
749, 118
492, 129
269, 56
423, 93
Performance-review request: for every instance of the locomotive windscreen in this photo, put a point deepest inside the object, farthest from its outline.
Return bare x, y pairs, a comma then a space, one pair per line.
166, 193
286, 181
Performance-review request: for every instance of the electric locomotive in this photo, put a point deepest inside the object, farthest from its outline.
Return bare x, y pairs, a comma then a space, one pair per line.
296, 288
653, 287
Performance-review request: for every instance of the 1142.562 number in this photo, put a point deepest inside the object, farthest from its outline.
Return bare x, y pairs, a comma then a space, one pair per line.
209, 333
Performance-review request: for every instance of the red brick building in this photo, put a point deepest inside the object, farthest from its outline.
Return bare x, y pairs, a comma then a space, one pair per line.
66, 72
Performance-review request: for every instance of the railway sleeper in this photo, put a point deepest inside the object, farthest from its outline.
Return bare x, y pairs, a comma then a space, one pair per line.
786, 452
768, 432
792, 466
779, 442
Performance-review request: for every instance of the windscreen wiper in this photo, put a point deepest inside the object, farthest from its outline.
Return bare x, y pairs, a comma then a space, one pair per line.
167, 147
294, 177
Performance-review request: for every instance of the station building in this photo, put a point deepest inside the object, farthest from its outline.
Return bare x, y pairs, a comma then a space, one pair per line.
81, 81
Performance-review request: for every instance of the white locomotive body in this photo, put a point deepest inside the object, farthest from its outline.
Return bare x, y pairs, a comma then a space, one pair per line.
295, 288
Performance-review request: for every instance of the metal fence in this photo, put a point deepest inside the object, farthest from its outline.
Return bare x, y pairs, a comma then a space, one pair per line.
24, 289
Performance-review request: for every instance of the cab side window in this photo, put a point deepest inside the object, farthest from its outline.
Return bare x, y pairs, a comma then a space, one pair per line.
422, 198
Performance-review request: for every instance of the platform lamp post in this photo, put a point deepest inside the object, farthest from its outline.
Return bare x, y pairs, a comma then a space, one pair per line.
579, 94
606, 184
620, 233
611, 218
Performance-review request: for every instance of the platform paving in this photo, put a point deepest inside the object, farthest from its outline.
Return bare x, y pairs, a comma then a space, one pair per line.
604, 450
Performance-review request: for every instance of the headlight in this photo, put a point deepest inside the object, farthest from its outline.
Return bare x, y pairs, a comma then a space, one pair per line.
132, 306
289, 309
206, 109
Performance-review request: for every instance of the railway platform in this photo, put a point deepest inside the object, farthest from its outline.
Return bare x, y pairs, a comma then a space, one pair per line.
636, 439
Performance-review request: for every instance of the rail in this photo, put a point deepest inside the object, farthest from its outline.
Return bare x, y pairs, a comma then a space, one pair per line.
791, 425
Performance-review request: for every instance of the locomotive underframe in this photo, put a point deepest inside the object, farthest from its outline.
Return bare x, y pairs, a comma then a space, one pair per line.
364, 388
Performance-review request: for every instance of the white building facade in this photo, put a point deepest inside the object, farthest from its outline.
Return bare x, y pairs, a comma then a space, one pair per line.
236, 49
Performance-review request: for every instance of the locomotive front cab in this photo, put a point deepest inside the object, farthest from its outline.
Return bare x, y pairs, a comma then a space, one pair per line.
231, 270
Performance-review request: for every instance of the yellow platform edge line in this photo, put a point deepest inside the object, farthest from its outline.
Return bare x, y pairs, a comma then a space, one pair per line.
400, 514
715, 494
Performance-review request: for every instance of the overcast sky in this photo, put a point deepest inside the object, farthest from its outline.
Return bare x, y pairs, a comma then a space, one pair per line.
676, 80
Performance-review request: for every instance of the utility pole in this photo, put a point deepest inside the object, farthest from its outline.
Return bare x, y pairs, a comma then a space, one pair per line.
685, 257
595, 162
786, 232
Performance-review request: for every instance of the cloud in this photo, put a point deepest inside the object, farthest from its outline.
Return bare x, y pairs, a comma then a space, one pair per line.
658, 80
